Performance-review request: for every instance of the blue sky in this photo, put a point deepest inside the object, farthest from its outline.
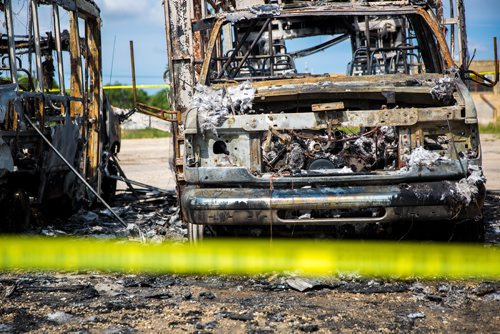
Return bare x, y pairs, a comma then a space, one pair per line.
142, 21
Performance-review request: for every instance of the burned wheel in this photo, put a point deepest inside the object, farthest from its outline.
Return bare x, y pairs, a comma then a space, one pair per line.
16, 212
195, 232
109, 185
472, 230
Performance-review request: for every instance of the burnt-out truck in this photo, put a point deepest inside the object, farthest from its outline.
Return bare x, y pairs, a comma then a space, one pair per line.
269, 133
56, 129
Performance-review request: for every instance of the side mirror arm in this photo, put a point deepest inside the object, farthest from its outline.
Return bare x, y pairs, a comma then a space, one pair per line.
481, 79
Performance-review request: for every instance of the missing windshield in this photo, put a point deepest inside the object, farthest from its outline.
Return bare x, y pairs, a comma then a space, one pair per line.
282, 47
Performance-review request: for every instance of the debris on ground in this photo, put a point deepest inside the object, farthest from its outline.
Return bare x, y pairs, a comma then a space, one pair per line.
260, 304
301, 284
59, 317
492, 218
157, 217
417, 315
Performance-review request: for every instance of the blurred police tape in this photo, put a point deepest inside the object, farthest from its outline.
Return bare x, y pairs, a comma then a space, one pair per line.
251, 257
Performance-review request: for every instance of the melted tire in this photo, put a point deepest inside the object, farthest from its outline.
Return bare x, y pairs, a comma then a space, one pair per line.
16, 211
109, 185
470, 231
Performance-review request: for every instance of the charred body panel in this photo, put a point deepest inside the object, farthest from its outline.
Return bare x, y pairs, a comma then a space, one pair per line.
266, 142
36, 69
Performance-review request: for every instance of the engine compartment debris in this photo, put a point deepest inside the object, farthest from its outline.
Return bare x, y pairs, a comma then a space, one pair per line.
334, 150
420, 157
444, 89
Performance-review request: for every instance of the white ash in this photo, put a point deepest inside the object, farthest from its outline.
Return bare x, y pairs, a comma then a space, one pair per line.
365, 145
476, 175
238, 16
417, 315
241, 97
420, 157
443, 90
212, 108
346, 170
468, 188
305, 216
389, 133
266, 10
214, 105
296, 159
60, 317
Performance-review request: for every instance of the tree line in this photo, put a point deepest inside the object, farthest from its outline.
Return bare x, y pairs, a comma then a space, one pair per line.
123, 98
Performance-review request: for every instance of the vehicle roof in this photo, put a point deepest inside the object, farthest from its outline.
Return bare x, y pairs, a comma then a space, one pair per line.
326, 9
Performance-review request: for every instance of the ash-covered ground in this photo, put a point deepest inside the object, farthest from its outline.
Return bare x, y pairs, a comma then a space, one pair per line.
96, 303
155, 215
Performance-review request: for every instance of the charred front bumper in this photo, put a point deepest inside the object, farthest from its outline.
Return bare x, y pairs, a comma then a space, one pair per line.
423, 201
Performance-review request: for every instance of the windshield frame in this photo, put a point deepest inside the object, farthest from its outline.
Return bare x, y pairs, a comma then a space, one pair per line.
428, 20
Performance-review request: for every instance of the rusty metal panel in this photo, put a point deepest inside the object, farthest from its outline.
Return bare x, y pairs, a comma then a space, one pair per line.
328, 106
180, 48
76, 81
96, 103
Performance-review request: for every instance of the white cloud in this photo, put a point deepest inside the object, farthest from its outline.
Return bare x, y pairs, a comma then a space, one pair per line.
124, 7
146, 11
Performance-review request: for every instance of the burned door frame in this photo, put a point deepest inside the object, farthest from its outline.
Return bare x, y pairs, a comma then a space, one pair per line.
178, 16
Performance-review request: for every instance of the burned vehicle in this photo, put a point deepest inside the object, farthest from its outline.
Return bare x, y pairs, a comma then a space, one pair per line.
269, 136
51, 138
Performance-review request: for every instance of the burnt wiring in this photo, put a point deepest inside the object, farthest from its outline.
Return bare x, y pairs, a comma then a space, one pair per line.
298, 152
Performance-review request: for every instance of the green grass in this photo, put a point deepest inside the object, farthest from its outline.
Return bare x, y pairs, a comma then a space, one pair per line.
144, 134
490, 129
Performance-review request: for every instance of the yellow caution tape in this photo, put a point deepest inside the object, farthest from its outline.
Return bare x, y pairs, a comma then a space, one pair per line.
250, 257
138, 87
56, 90
486, 73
